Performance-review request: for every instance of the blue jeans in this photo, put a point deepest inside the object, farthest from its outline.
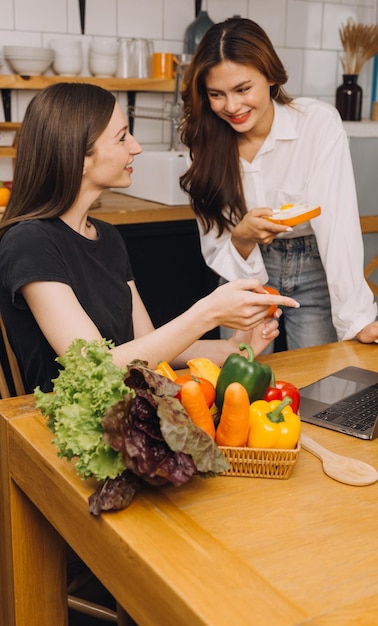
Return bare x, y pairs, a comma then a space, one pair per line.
295, 269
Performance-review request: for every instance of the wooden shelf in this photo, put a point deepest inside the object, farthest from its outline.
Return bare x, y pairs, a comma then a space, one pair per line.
8, 152
15, 81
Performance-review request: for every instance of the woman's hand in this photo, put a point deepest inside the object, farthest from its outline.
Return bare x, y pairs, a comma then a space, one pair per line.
259, 337
253, 229
242, 304
369, 334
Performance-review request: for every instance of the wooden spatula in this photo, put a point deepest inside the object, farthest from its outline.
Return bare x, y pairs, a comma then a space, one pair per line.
342, 468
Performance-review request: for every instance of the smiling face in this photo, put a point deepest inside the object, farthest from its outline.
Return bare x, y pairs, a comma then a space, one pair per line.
240, 95
110, 165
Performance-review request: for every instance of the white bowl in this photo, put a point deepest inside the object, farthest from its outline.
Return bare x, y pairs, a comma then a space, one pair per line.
29, 66
67, 66
104, 46
39, 57
28, 51
102, 65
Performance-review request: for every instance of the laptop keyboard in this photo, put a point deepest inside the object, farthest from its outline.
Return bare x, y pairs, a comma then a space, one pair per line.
358, 412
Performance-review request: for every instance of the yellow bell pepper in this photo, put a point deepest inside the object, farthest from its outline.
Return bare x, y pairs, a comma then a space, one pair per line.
202, 367
273, 425
165, 369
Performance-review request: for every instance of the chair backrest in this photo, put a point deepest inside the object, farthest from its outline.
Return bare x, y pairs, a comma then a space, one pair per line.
13, 367
4, 389
369, 225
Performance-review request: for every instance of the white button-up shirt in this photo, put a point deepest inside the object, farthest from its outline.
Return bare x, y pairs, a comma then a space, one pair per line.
306, 158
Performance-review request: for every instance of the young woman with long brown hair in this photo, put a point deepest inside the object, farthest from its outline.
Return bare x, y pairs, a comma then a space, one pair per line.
67, 275
254, 149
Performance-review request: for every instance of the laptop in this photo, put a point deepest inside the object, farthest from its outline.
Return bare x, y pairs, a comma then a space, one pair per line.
345, 401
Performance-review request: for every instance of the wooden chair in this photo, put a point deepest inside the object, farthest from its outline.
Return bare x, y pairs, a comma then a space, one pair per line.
4, 389
369, 225
13, 366
74, 602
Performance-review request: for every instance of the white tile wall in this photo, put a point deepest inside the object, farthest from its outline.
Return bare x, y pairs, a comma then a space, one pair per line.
304, 24
7, 18
319, 71
271, 15
101, 17
305, 33
38, 15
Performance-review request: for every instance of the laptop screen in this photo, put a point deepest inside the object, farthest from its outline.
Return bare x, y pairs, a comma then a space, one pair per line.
331, 389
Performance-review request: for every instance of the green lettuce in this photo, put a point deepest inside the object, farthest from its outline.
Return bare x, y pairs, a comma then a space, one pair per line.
123, 426
85, 388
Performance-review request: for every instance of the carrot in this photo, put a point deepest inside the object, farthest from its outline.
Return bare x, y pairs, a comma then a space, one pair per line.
194, 402
234, 420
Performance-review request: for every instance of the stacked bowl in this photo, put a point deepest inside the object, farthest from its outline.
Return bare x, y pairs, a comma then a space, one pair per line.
103, 57
28, 60
68, 59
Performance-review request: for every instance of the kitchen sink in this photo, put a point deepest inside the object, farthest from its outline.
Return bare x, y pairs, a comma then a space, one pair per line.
156, 177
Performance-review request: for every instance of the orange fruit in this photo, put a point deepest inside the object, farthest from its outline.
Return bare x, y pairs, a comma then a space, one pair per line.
4, 196
273, 307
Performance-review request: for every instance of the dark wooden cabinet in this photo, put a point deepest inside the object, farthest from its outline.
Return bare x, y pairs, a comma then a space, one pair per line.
169, 269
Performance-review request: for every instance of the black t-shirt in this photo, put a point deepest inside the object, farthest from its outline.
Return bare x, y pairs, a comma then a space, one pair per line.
96, 270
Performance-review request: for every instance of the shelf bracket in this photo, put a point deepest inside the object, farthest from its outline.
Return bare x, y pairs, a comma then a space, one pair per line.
131, 96
6, 98
82, 15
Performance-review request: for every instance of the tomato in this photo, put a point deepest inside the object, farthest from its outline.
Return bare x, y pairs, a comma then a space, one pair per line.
207, 387
180, 380
273, 307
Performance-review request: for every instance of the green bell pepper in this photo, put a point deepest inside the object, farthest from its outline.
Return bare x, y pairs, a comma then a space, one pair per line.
254, 376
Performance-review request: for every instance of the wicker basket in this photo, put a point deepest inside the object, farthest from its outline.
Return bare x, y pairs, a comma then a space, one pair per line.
260, 462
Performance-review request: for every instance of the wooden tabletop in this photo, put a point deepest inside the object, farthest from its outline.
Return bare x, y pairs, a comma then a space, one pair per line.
240, 551
119, 208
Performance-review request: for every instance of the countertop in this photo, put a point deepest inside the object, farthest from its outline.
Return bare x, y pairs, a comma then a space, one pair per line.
118, 208
365, 128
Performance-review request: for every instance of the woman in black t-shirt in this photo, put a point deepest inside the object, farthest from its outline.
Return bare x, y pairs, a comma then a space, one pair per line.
65, 275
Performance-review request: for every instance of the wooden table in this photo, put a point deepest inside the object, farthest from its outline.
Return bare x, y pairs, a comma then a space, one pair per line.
240, 551
119, 208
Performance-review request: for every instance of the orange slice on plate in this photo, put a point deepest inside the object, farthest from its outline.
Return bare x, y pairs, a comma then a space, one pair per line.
293, 214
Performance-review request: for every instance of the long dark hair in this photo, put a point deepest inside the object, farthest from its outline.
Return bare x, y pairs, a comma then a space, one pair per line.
60, 127
213, 180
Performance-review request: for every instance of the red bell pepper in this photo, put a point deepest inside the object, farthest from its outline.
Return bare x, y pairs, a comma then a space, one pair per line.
280, 389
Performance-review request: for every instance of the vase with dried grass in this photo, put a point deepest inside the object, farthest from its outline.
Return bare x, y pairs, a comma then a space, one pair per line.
360, 43
349, 98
